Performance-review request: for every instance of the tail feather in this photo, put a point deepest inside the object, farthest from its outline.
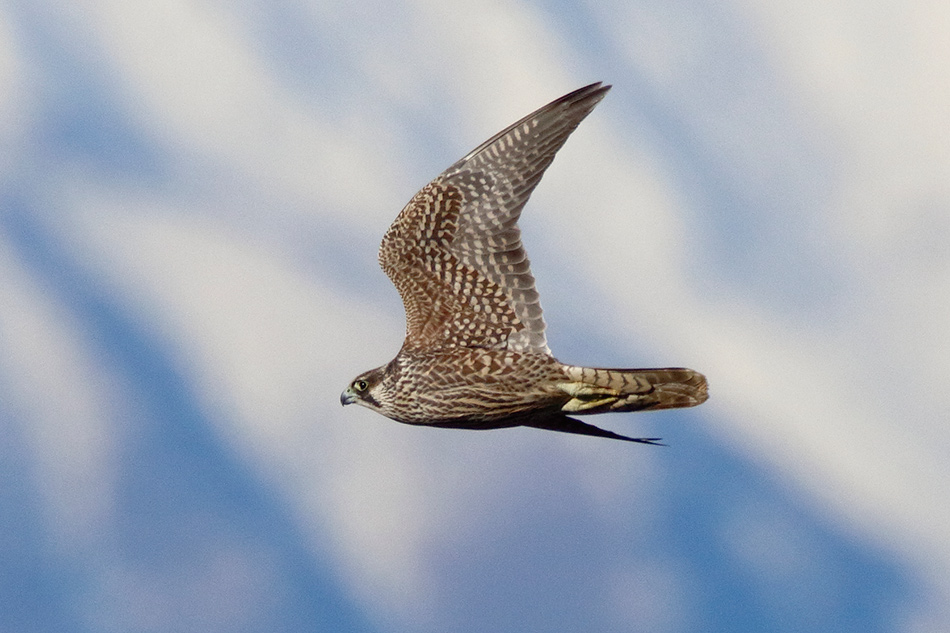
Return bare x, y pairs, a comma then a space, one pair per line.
595, 390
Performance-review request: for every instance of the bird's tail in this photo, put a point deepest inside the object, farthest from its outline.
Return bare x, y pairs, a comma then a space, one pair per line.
594, 390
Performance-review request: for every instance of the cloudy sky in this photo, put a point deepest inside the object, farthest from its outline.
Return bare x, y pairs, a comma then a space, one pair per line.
191, 198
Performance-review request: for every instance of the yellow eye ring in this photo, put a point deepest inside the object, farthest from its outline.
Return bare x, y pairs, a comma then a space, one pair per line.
360, 385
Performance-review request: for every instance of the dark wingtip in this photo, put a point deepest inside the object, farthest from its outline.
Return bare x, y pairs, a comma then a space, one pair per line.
566, 424
594, 91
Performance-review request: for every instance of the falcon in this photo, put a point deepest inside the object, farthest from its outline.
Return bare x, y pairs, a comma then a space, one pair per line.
475, 354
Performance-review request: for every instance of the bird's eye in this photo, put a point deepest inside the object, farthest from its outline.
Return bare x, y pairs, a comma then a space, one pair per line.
360, 385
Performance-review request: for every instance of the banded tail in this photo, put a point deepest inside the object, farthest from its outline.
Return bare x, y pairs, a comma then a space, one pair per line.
595, 390
592, 390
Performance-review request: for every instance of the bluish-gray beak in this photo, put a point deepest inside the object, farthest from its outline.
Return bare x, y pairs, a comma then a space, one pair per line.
347, 397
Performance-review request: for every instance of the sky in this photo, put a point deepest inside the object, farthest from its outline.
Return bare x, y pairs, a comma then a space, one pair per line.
191, 199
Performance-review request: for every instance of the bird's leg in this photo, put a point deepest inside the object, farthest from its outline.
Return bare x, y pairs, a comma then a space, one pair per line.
585, 396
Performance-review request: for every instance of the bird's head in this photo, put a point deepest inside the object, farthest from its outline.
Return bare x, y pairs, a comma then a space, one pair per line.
367, 390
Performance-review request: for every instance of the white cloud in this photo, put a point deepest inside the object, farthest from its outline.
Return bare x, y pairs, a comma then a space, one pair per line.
874, 76
190, 78
269, 351
17, 100
55, 383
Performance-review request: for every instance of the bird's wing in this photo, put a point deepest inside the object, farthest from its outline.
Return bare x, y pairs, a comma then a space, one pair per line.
454, 253
565, 424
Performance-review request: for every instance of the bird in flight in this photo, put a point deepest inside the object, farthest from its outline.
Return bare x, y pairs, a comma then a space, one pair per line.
475, 354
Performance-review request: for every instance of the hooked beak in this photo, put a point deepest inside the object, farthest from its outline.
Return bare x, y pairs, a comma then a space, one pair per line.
347, 397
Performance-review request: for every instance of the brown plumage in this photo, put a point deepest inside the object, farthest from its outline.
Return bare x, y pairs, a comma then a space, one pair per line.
475, 354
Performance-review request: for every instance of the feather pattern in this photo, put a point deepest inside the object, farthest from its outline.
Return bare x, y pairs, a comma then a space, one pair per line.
454, 252
475, 354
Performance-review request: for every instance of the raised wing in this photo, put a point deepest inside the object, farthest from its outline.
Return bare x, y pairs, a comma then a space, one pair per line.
454, 253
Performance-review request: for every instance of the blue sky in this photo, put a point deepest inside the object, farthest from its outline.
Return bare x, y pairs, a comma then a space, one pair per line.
191, 198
